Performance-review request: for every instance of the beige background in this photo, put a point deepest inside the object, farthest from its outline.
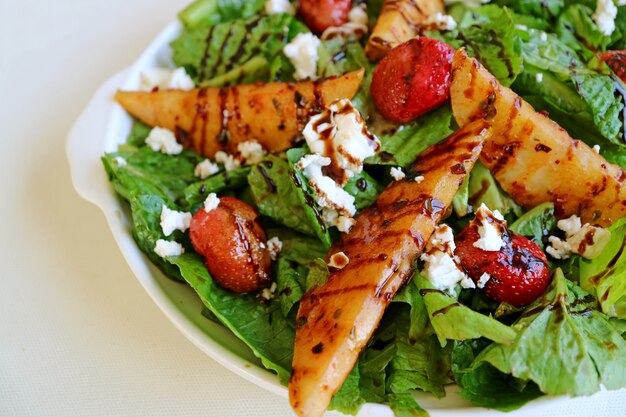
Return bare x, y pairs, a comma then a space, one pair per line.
78, 335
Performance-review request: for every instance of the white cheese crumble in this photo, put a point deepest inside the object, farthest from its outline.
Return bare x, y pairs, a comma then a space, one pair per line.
439, 21
274, 246
211, 202
621, 2
521, 27
165, 248
165, 79
543, 36
419, 179
268, 293
251, 151
279, 6
356, 25
490, 227
163, 140
604, 16
332, 218
585, 240
302, 52
440, 265
121, 162
229, 161
329, 194
397, 174
482, 281
174, 220
340, 133
596, 148
539, 77
338, 260
205, 169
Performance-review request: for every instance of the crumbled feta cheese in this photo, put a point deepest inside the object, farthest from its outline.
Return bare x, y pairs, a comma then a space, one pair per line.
163, 140
340, 133
165, 79
490, 228
165, 248
586, 240
604, 16
440, 265
211, 202
521, 27
482, 281
329, 194
229, 161
268, 293
174, 220
543, 36
205, 169
341, 222
397, 173
419, 179
279, 6
338, 260
439, 21
621, 3
596, 148
302, 52
539, 77
251, 151
274, 246
121, 162
355, 26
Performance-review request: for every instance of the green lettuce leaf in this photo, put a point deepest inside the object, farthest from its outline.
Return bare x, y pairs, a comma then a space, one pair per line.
261, 326
236, 51
605, 276
489, 34
196, 193
403, 146
536, 223
483, 189
484, 385
564, 344
544, 9
279, 193
290, 279
452, 320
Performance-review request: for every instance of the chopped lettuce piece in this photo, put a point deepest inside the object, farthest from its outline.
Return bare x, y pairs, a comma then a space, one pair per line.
262, 326
536, 223
483, 189
408, 142
234, 52
452, 320
605, 276
279, 193
196, 193
564, 344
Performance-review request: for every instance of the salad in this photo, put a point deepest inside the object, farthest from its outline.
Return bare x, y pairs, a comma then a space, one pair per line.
384, 197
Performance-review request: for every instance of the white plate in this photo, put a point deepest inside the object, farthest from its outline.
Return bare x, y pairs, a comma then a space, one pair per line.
104, 125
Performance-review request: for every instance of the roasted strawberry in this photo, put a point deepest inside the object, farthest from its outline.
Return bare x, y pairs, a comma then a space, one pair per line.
518, 272
617, 61
233, 245
413, 78
319, 15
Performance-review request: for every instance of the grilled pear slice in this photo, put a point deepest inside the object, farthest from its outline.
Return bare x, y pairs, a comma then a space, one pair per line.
398, 22
534, 159
336, 320
214, 119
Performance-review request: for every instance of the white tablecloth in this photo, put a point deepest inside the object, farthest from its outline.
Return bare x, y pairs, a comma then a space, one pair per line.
78, 334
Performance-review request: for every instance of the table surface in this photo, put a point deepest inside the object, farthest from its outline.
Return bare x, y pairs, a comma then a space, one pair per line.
78, 334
